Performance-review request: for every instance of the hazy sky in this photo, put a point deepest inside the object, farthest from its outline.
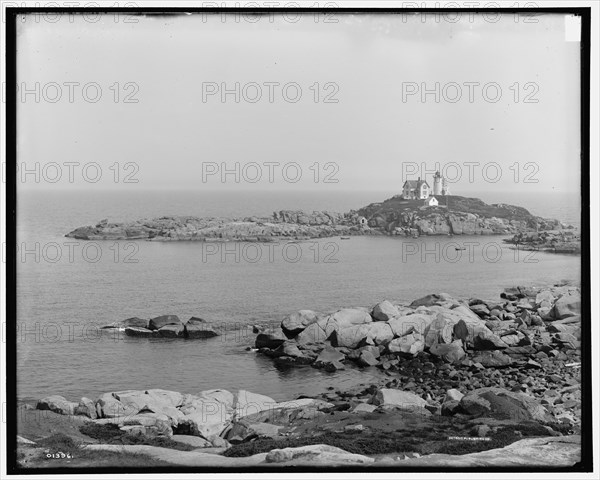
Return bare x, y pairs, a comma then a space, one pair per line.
375, 66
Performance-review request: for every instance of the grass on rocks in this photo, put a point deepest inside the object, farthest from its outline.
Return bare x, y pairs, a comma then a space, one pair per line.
111, 434
32, 457
423, 441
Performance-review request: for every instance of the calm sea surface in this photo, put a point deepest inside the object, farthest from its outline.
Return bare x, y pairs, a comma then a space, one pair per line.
67, 288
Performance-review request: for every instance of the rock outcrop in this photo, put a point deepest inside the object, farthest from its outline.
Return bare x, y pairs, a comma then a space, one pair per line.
395, 216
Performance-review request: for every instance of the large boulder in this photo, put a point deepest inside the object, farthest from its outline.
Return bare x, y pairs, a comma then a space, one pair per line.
293, 324
493, 359
439, 330
246, 403
350, 337
86, 407
288, 348
408, 344
57, 404
380, 333
427, 301
196, 321
451, 352
407, 324
385, 311
140, 332
243, 431
447, 318
498, 402
488, 341
107, 406
158, 322
567, 305
172, 331
325, 455
208, 413
314, 333
348, 317
157, 401
200, 330
466, 313
154, 424
398, 398
367, 359
270, 339
129, 322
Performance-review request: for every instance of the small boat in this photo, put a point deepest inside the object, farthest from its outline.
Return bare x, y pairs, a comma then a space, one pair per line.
344, 238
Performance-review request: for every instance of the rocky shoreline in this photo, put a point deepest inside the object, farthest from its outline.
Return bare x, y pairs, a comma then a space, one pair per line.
469, 383
395, 216
567, 241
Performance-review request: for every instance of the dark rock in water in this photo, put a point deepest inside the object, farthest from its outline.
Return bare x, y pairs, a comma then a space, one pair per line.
314, 333
158, 322
172, 331
330, 359
196, 321
330, 354
295, 323
140, 332
200, 330
488, 341
289, 349
493, 359
129, 322
427, 301
272, 339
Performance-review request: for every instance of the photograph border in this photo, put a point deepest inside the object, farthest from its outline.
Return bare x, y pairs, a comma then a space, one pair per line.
12, 13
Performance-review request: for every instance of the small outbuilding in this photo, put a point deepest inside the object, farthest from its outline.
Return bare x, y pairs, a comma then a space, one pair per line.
431, 202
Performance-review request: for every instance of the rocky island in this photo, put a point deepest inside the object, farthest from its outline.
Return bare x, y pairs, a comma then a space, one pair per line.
470, 382
454, 215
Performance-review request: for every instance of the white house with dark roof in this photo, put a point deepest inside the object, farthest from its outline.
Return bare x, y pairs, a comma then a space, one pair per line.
431, 202
415, 189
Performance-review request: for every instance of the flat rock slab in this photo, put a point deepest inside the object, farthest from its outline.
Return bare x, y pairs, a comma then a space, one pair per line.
189, 459
531, 452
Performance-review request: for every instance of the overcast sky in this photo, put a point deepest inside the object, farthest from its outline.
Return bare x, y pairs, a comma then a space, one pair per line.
374, 66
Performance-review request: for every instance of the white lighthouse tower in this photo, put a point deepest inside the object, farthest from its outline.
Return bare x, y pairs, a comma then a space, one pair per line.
437, 183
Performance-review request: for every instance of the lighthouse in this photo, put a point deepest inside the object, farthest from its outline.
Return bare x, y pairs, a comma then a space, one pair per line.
438, 180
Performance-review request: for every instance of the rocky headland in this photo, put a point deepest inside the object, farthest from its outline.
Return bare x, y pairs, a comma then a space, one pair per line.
455, 215
468, 382
563, 241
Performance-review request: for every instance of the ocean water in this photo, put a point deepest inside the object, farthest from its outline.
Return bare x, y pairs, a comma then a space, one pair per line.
67, 288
